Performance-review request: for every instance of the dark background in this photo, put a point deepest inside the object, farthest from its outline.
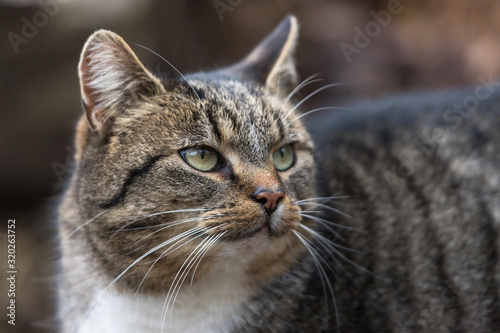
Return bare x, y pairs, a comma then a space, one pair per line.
429, 45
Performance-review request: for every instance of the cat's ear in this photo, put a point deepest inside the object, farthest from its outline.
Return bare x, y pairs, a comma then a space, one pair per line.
112, 78
271, 63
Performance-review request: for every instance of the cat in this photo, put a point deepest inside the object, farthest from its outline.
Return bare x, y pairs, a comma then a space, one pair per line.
212, 203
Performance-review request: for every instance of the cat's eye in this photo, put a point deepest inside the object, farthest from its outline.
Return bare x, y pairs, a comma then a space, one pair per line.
201, 158
284, 158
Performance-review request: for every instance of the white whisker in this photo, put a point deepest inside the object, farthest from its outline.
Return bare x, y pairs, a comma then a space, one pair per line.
179, 238
334, 210
174, 211
320, 220
311, 95
176, 223
199, 261
83, 225
342, 256
163, 244
143, 217
324, 198
325, 225
199, 257
169, 251
320, 237
319, 109
184, 269
304, 83
322, 274
178, 72
325, 244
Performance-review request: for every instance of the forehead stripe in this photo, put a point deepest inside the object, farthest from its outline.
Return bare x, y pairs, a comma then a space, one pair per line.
213, 122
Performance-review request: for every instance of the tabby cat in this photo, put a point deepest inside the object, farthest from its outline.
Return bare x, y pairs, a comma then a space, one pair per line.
211, 203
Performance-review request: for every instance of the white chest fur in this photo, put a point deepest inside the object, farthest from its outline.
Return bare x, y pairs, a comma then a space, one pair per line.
212, 305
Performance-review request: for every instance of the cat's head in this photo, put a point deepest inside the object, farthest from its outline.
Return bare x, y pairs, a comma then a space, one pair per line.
209, 164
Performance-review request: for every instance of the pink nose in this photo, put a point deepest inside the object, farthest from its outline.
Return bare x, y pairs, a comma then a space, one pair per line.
269, 199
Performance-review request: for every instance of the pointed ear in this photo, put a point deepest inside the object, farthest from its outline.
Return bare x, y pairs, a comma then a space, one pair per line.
112, 78
271, 63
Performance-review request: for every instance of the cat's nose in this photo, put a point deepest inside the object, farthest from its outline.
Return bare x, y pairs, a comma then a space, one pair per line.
269, 199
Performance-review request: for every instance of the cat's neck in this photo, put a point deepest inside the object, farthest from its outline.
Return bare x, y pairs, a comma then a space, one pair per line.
213, 304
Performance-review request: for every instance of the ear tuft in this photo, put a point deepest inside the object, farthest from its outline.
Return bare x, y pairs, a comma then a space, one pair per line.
271, 63
111, 76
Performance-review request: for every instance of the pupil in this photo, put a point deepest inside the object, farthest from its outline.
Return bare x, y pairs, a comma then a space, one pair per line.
202, 153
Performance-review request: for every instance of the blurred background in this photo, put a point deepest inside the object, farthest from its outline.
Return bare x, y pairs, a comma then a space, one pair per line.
382, 47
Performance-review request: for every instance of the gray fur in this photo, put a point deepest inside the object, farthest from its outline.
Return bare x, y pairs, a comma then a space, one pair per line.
430, 215
423, 184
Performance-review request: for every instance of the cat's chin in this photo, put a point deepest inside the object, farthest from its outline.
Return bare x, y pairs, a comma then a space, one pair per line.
262, 231
260, 238
253, 244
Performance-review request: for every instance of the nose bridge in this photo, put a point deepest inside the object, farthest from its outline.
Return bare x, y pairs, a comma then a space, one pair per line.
266, 180
253, 177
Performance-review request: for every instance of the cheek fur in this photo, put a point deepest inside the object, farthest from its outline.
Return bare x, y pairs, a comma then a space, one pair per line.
127, 233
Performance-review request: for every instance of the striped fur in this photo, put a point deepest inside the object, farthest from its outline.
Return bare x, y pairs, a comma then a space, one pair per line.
419, 252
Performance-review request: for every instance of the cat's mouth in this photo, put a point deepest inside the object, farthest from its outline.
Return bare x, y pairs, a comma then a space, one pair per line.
261, 231
235, 223
273, 226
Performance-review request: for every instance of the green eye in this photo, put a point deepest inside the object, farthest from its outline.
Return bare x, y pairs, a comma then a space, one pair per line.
201, 158
284, 158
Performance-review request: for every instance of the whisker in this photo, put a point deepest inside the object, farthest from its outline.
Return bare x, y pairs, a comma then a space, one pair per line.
322, 274
166, 252
326, 245
332, 108
325, 251
324, 198
326, 226
157, 247
179, 238
309, 211
178, 72
334, 210
342, 256
124, 255
311, 95
83, 225
201, 253
177, 223
142, 217
199, 261
304, 83
331, 243
320, 220
181, 273
174, 211
169, 251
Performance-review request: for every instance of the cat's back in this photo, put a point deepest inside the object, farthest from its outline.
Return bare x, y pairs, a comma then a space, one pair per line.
439, 117
423, 173
417, 136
